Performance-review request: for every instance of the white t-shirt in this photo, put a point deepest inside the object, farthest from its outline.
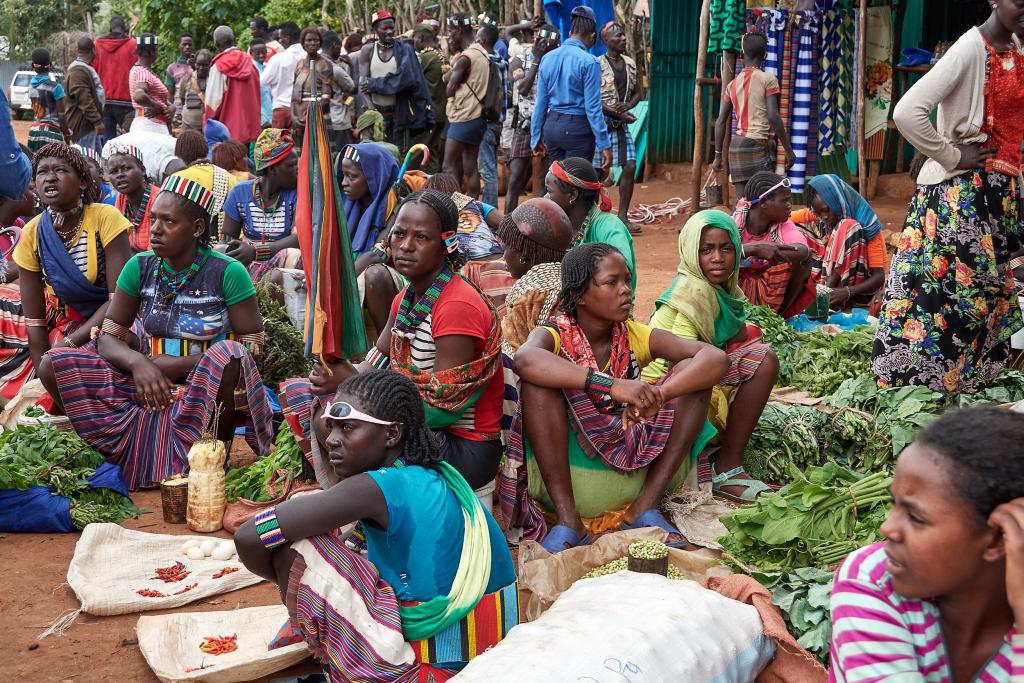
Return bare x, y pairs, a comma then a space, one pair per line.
279, 75
157, 150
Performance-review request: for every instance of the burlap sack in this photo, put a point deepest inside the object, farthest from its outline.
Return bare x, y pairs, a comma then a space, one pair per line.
543, 577
170, 643
111, 563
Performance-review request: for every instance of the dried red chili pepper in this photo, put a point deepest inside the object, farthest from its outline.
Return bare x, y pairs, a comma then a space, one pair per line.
225, 571
147, 593
214, 645
186, 589
172, 574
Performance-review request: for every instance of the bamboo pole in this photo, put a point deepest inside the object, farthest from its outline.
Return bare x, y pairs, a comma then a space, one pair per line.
698, 109
862, 21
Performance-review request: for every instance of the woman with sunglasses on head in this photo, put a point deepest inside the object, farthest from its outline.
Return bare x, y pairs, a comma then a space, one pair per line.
942, 598
201, 327
854, 262
573, 185
135, 194
949, 307
69, 257
630, 441
437, 577
259, 215
775, 269
442, 333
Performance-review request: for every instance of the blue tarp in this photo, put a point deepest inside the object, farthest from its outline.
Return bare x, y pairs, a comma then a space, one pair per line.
39, 510
560, 15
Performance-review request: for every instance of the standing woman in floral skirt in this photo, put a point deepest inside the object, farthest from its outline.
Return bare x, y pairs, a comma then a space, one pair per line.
949, 306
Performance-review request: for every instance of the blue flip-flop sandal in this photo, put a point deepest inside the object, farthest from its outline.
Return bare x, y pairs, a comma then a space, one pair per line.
653, 517
561, 537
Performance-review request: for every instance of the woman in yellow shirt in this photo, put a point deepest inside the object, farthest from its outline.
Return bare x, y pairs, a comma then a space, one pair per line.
70, 256
705, 303
639, 437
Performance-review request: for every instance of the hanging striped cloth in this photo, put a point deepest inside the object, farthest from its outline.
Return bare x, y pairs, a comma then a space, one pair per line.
785, 85
830, 65
806, 26
844, 95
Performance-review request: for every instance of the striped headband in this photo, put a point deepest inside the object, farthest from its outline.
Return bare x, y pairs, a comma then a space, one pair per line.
559, 171
486, 20
456, 22
145, 39
190, 190
112, 150
88, 152
351, 153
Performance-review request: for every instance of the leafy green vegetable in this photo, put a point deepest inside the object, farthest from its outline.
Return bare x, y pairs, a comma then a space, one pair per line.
802, 596
284, 351
815, 521
250, 482
823, 361
45, 456
776, 333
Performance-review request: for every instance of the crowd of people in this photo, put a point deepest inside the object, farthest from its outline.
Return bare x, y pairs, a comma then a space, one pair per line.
147, 207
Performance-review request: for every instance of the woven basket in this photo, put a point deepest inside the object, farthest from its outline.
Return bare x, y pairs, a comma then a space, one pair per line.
61, 422
174, 496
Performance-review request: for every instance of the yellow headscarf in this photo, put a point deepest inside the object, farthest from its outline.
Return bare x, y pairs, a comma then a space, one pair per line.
716, 312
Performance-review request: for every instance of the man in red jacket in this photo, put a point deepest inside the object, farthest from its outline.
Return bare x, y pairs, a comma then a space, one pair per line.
233, 88
115, 56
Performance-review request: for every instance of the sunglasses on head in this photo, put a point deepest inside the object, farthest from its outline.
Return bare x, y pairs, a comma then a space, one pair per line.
339, 410
785, 182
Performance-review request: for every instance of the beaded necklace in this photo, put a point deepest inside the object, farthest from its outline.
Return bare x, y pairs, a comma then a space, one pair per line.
139, 212
267, 210
169, 283
578, 240
411, 315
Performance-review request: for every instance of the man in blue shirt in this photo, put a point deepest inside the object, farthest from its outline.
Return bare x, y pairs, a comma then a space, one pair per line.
568, 120
15, 169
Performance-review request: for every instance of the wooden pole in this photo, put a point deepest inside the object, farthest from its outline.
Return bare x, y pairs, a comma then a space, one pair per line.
862, 21
698, 109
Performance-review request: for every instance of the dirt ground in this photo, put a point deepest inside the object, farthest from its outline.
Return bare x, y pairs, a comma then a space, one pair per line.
33, 591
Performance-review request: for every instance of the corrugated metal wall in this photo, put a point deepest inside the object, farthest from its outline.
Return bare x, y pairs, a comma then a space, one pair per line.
675, 28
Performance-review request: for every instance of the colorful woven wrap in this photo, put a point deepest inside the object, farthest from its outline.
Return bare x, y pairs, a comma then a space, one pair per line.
785, 85
828, 95
271, 147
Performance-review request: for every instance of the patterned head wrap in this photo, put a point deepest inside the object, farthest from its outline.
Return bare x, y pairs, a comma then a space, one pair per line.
371, 118
190, 190
89, 153
114, 149
605, 202
272, 147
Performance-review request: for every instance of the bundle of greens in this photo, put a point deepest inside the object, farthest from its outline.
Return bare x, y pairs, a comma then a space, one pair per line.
284, 351
1008, 387
63, 462
777, 334
250, 482
802, 596
899, 412
823, 361
815, 521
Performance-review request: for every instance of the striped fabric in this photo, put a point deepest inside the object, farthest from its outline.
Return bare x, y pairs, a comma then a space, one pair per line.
829, 81
786, 88
190, 190
805, 88
15, 360
351, 620
744, 362
844, 98
42, 134
104, 409
158, 346
269, 529
879, 635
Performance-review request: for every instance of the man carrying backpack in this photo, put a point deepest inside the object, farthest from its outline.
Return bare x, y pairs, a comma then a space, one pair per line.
473, 101
568, 120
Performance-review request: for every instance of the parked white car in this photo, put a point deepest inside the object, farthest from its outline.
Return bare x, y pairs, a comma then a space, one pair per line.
18, 95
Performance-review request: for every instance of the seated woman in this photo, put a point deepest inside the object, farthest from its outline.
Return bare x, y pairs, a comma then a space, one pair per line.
630, 441
573, 185
233, 157
442, 333
367, 175
107, 195
259, 215
704, 303
942, 598
70, 256
775, 270
437, 584
192, 149
15, 360
135, 194
202, 324
370, 128
477, 222
854, 263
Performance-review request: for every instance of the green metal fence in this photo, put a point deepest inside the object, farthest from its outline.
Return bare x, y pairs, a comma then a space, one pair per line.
675, 28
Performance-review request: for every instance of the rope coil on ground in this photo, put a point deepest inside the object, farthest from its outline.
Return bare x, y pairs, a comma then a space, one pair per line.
646, 214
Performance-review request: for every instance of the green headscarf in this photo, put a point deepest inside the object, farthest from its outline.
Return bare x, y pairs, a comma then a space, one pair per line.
716, 312
371, 118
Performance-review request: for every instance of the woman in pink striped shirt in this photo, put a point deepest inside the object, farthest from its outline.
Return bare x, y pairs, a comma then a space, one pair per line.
942, 599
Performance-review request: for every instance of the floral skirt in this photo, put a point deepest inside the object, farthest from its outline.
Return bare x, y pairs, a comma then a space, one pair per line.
950, 306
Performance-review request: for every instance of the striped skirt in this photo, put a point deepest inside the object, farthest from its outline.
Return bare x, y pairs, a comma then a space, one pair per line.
744, 362
42, 133
747, 157
15, 359
768, 288
103, 406
351, 620
286, 258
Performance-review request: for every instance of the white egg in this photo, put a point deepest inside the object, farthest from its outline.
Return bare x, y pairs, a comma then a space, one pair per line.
195, 553
225, 551
190, 544
207, 547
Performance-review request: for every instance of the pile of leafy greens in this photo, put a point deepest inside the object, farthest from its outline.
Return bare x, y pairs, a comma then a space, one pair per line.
61, 461
250, 482
802, 596
284, 352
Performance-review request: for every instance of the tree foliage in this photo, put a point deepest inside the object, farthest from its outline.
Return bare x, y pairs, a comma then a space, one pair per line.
28, 24
168, 19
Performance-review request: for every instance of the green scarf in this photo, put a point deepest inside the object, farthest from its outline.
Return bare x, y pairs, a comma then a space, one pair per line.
429, 618
716, 312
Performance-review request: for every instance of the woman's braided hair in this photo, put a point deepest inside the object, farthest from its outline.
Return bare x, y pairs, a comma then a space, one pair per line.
191, 147
584, 170
387, 395
76, 161
578, 269
447, 217
981, 447
759, 183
